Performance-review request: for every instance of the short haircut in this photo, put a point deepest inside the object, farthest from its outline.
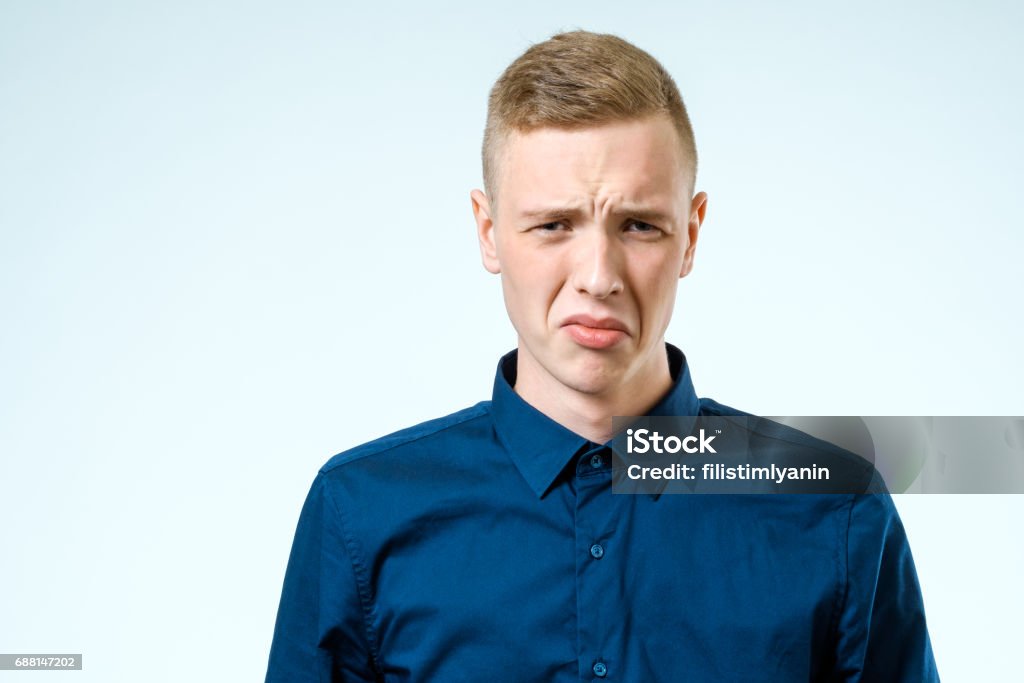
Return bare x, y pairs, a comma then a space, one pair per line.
575, 80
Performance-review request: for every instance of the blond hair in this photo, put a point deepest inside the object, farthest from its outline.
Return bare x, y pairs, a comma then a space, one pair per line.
578, 79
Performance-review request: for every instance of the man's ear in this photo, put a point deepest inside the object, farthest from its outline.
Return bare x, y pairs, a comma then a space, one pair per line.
485, 231
697, 208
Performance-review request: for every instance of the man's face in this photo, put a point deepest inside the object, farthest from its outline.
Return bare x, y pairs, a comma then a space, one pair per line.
592, 231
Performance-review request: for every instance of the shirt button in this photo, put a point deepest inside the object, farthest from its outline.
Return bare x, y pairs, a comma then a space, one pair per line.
600, 670
596, 460
597, 552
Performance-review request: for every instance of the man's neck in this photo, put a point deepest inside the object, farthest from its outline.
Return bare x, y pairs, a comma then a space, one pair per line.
590, 414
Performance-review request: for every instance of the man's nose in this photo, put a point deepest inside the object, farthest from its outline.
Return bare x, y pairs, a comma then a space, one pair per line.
597, 268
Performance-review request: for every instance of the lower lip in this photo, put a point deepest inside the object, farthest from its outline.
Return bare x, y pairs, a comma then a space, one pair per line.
594, 337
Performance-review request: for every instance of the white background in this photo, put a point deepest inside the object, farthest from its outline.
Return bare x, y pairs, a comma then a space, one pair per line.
235, 239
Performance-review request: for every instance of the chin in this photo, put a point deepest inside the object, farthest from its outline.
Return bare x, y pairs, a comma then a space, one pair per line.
591, 374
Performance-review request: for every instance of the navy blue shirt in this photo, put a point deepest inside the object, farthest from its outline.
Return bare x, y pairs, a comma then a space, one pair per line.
487, 546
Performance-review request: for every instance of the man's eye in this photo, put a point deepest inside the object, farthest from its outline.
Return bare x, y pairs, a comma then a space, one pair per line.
551, 227
640, 226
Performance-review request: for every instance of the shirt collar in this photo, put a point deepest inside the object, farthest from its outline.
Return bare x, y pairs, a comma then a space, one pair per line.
541, 447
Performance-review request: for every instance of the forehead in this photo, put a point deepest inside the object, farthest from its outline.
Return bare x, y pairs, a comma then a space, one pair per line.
639, 160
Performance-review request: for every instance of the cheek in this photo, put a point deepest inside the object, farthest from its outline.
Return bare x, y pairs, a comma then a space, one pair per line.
529, 281
655, 280
656, 271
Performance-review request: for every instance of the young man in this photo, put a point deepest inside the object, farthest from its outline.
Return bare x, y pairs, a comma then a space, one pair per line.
487, 545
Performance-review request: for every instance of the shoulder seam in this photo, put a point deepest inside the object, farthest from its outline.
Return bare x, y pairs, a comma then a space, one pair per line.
843, 578
359, 570
474, 412
712, 406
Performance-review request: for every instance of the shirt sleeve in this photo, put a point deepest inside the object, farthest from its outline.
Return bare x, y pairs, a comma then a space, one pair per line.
321, 631
882, 635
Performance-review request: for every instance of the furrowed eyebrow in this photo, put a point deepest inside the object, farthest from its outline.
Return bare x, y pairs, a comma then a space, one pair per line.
556, 212
547, 214
649, 216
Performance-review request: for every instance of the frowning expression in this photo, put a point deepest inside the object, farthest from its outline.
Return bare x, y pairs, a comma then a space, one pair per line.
591, 230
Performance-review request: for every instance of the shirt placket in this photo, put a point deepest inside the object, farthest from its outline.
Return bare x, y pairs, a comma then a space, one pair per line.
599, 602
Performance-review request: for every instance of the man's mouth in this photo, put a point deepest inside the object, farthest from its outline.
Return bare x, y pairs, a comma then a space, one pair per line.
595, 333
